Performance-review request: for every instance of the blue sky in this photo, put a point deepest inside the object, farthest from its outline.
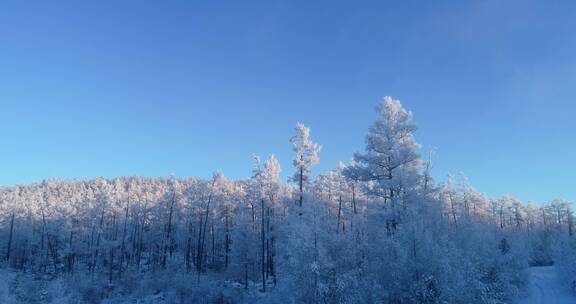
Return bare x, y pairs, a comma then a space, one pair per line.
153, 88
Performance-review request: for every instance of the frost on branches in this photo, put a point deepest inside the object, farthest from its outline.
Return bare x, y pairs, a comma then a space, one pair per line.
306, 156
374, 230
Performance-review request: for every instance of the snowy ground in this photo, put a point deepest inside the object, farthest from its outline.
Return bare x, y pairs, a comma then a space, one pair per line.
545, 288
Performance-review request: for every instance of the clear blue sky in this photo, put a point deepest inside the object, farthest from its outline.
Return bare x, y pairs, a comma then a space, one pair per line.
153, 88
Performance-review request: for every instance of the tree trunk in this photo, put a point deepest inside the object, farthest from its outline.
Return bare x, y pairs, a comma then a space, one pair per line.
10, 238
270, 247
213, 242
113, 231
354, 198
246, 276
570, 223
226, 240
110, 268
502, 217
202, 232
44, 233
95, 257
301, 185
453, 209
71, 253
199, 246
168, 231
188, 248
339, 213
263, 251
124, 236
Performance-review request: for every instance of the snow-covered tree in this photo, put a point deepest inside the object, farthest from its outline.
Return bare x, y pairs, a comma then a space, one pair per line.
306, 156
390, 160
134, 239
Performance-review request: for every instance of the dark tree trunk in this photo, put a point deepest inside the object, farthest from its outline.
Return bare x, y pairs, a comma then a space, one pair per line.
111, 265
122, 249
226, 240
213, 243
95, 257
570, 223
246, 276
301, 185
354, 198
339, 213
263, 250
199, 246
167, 241
71, 253
202, 232
10, 238
188, 248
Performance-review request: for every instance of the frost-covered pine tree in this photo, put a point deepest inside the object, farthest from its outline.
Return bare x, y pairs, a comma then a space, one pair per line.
391, 161
306, 156
265, 180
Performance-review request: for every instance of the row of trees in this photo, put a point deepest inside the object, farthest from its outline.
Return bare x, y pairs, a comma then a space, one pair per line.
377, 229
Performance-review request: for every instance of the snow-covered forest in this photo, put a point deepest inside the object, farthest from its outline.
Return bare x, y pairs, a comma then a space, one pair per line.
376, 229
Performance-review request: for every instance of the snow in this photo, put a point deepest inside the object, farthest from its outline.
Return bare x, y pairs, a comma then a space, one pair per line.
546, 288
5, 279
399, 238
